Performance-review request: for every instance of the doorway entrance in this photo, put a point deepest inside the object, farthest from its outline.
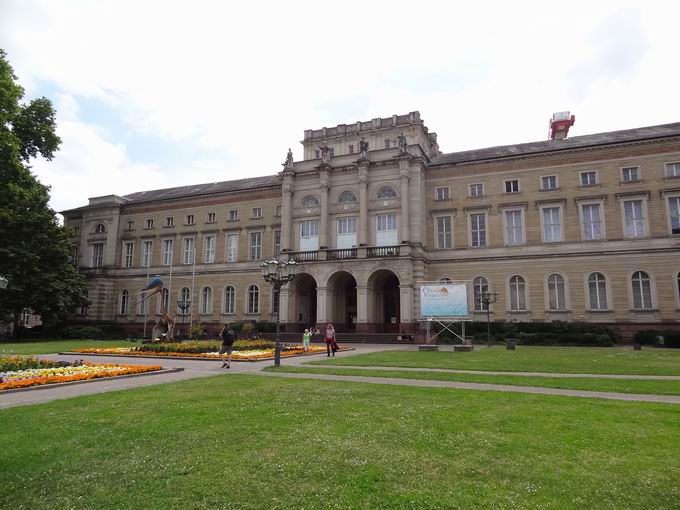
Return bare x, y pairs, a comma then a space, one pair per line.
384, 286
342, 302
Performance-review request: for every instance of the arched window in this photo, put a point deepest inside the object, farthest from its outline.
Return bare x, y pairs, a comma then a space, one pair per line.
229, 299
99, 228
347, 197
445, 280
84, 307
253, 299
557, 298
206, 300
386, 192
597, 291
310, 201
143, 307
124, 302
184, 299
164, 301
518, 295
479, 286
642, 291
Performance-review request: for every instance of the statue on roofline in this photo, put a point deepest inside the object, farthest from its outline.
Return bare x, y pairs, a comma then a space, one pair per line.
363, 148
288, 165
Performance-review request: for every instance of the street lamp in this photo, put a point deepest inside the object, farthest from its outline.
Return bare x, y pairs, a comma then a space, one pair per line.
488, 297
3, 282
278, 273
184, 304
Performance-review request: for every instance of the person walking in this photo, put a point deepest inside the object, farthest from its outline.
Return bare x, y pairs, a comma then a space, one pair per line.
331, 344
228, 337
306, 337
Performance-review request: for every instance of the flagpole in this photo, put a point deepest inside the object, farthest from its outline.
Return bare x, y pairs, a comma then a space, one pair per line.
146, 303
193, 281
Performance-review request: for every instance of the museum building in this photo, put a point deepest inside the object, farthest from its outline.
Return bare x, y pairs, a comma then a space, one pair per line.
580, 228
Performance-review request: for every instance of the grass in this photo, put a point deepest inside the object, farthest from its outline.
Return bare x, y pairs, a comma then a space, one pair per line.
592, 360
594, 384
52, 346
251, 442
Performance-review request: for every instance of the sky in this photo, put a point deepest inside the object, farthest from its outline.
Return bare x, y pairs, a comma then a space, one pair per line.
156, 94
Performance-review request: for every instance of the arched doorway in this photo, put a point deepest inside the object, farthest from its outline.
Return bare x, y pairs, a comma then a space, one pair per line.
342, 301
304, 286
384, 293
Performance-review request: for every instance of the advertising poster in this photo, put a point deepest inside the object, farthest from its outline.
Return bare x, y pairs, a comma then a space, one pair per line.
444, 300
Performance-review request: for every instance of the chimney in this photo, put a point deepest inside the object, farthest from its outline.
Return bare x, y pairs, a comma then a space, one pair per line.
560, 124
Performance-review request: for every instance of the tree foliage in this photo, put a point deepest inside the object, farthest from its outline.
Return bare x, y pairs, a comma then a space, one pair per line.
34, 249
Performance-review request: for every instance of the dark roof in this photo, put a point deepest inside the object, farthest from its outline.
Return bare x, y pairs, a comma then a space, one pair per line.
203, 189
577, 142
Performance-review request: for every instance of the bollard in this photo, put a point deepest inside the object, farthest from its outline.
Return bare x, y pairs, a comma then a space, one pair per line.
637, 347
510, 346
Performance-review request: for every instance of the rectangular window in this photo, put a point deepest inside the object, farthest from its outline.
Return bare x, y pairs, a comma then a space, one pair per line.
167, 252
209, 249
672, 169
674, 207
147, 253
169, 221
630, 174
127, 254
189, 219
188, 251
592, 222
317, 154
331, 151
309, 235
277, 211
232, 247
232, 215
443, 232
477, 190
548, 182
277, 244
211, 217
97, 254
131, 225
442, 193
513, 228
387, 144
74, 256
588, 178
386, 229
256, 213
634, 217
478, 230
149, 223
351, 148
512, 186
255, 245
552, 227
347, 232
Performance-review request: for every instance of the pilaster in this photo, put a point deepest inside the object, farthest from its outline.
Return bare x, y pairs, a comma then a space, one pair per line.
405, 217
363, 202
323, 225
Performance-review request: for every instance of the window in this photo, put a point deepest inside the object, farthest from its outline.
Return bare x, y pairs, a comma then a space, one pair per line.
86, 305
206, 301
347, 197
167, 252
317, 154
630, 174
351, 148
232, 247
277, 210
256, 213
552, 227
74, 256
99, 228
184, 298
275, 301
188, 251
76, 231
442, 193
589, 178
477, 190
512, 186
556, 293
674, 210
255, 245
385, 193
633, 211
143, 307
642, 291
310, 201
232, 215
347, 232
387, 144
189, 219
131, 225
518, 297
128, 249
549, 182
253, 299
478, 230
331, 151
597, 291
229, 299
514, 231
149, 223
479, 286
124, 302
169, 221
592, 221
309, 235
209, 249
443, 232
147, 253
164, 301
672, 169
277, 244
211, 217
386, 229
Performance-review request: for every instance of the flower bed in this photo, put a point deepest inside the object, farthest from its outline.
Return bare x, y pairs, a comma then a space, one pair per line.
49, 372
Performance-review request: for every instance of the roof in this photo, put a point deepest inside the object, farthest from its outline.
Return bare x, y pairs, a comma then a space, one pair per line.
577, 142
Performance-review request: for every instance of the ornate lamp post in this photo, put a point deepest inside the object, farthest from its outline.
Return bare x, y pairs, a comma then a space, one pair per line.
278, 273
488, 297
184, 305
3, 282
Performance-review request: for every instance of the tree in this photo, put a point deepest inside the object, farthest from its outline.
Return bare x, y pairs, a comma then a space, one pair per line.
35, 250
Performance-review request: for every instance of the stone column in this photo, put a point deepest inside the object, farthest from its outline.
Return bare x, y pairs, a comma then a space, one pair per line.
405, 217
287, 217
284, 304
363, 204
362, 309
321, 305
323, 225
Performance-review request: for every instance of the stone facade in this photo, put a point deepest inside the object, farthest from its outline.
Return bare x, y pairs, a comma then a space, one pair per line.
585, 228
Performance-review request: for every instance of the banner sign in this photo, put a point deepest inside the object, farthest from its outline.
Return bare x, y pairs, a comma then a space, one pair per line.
444, 300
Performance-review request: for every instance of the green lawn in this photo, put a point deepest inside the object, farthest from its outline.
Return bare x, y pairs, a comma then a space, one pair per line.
608, 385
592, 360
252, 442
52, 346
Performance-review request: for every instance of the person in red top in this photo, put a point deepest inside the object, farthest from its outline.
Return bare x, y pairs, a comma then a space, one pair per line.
331, 344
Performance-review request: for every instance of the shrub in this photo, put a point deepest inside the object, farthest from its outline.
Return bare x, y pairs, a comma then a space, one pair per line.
650, 337
78, 332
265, 327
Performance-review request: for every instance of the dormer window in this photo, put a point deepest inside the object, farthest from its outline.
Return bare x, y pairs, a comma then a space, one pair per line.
347, 197
385, 193
310, 201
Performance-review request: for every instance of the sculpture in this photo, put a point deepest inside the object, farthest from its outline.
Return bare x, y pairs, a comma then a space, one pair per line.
154, 286
164, 329
288, 165
403, 144
325, 153
363, 148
